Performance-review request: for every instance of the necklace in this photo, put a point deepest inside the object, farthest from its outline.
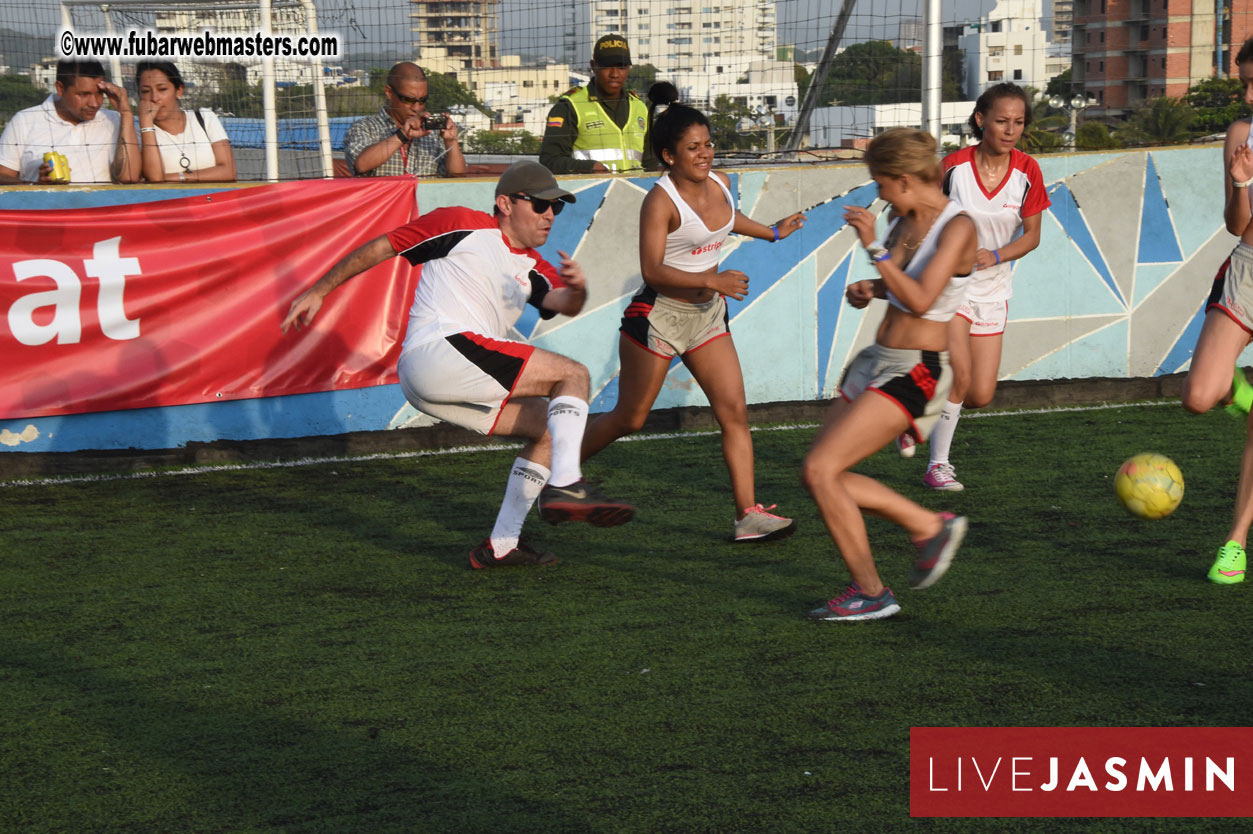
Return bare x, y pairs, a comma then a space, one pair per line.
990, 172
181, 141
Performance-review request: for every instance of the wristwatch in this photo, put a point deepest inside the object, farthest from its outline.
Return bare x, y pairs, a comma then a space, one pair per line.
878, 254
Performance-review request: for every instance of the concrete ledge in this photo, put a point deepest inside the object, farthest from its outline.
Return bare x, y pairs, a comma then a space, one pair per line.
1009, 395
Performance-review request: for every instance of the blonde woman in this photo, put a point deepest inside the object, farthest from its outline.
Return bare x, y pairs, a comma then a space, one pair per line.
900, 382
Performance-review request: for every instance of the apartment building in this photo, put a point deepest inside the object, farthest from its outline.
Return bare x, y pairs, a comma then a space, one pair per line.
675, 36
1062, 22
1127, 51
463, 30
1006, 44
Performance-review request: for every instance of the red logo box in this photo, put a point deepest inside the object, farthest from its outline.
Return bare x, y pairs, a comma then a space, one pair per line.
1081, 771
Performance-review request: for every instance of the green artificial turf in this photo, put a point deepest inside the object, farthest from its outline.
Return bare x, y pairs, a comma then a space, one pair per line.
306, 650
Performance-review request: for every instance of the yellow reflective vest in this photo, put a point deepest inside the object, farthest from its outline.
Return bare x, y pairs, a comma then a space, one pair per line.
601, 140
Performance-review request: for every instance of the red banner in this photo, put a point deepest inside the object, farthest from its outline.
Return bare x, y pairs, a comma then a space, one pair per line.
1081, 771
179, 301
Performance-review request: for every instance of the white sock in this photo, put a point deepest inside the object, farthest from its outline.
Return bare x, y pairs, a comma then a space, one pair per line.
942, 435
567, 417
526, 479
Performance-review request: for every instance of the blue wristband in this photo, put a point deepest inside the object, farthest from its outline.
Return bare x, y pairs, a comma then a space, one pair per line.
775, 229
998, 256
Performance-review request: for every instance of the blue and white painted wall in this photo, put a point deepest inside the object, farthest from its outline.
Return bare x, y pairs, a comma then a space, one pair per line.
1116, 289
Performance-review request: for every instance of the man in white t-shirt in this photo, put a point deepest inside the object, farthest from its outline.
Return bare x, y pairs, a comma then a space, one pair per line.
460, 365
99, 145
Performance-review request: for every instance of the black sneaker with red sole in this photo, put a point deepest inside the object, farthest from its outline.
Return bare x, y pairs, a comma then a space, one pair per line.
581, 501
522, 556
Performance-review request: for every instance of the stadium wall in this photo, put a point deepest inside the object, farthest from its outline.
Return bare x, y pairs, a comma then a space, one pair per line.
1116, 290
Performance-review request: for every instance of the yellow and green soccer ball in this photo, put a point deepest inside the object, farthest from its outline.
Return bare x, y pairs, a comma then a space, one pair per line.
1149, 485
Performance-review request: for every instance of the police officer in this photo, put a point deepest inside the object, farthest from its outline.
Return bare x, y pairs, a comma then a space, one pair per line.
600, 127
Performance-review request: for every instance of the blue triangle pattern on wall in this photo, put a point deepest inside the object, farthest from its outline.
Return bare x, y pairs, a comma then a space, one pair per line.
765, 263
1158, 243
830, 303
575, 220
1066, 209
1185, 345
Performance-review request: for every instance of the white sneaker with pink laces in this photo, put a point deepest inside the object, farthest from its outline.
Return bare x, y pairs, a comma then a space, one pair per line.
906, 445
760, 525
941, 476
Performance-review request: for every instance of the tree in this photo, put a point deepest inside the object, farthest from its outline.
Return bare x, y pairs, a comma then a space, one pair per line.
801, 75
1059, 85
1095, 136
17, 93
446, 91
1218, 102
1047, 125
876, 72
641, 77
504, 142
1160, 121
724, 120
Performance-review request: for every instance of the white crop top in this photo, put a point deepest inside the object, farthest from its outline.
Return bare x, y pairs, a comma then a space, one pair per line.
954, 293
1249, 142
693, 247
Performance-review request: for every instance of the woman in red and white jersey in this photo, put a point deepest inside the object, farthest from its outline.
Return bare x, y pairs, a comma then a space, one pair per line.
1001, 189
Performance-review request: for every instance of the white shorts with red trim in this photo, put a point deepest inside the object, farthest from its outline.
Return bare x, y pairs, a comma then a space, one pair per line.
918, 381
987, 318
1233, 287
463, 378
668, 327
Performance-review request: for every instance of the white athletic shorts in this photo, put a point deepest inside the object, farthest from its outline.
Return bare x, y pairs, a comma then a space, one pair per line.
464, 378
1233, 287
987, 318
668, 327
918, 381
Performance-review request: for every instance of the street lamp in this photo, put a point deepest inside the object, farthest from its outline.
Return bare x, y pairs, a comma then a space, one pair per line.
1076, 103
765, 119
761, 118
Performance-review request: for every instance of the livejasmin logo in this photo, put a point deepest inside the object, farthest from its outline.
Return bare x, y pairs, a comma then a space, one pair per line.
1080, 771
65, 325
1076, 774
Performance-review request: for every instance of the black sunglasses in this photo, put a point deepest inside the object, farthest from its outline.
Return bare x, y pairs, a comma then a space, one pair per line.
410, 100
541, 206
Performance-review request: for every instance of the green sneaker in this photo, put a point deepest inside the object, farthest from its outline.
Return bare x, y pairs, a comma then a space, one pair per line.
1241, 394
1229, 567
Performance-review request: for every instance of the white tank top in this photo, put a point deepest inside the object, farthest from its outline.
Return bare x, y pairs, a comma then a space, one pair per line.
693, 247
954, 293
1249, 142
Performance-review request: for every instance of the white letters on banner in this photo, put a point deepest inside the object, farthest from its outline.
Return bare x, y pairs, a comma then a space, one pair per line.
105, 265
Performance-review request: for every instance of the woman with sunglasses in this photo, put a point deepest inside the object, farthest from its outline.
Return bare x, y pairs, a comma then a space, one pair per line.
177, 146
682, 311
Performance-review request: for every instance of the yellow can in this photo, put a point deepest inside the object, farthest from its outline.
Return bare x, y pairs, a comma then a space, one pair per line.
60, 166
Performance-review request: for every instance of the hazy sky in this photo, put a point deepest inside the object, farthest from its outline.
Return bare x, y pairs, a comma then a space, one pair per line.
536, 26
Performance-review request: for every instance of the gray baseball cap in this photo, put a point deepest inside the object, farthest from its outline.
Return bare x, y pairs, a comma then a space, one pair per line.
532, 179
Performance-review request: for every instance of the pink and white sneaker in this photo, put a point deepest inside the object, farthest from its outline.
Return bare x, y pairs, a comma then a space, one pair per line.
940, 476
760, 525
906, 445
